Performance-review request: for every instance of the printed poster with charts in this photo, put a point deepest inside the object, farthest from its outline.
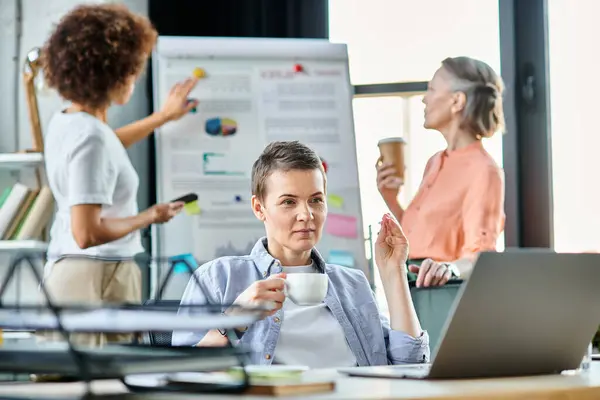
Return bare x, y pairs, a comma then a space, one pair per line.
252, 92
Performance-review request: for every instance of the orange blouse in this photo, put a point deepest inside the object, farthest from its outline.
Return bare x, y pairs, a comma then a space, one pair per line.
459, 208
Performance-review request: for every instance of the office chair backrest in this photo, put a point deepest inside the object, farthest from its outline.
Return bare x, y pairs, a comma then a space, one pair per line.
161, 338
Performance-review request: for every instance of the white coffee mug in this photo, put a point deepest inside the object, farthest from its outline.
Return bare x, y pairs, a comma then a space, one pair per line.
306, 289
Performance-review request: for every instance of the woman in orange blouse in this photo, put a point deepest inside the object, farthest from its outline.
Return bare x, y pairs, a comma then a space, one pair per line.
459, 208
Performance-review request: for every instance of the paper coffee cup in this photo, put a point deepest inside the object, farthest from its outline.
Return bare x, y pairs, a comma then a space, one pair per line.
391, 150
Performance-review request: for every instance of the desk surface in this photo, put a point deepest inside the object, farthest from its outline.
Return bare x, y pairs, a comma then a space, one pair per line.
567, 386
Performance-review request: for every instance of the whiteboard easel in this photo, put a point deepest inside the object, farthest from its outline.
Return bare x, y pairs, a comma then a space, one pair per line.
255, 91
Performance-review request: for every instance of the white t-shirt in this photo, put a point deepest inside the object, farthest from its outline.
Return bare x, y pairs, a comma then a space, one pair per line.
86, 163
310, 335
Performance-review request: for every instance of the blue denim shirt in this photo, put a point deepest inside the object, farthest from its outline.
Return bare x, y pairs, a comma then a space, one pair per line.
349, 298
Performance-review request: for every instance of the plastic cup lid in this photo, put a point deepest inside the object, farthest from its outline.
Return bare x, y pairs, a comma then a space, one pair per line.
391, 140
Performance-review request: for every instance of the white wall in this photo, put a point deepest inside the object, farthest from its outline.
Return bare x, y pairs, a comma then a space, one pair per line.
405, 40
574, 117
39, 18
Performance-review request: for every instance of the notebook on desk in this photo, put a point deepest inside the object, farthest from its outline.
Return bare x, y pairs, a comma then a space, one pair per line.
262, 387
260, 383
522, 312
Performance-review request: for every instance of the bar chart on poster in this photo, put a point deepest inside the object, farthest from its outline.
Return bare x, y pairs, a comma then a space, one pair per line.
252, 92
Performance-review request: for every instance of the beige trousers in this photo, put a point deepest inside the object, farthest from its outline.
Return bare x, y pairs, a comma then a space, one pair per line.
86, 281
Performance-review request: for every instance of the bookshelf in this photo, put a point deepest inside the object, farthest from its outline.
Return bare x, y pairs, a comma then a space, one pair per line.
21, 219
33, 160
25, 210
18, 161
20, 246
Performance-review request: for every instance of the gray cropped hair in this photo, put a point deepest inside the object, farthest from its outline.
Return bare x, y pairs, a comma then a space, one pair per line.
284, 156
483, 114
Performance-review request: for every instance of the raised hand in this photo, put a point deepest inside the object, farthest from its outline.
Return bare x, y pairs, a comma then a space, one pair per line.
177, 104
391, 247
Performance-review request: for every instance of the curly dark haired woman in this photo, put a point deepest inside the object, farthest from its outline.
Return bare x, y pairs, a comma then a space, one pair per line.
93, 59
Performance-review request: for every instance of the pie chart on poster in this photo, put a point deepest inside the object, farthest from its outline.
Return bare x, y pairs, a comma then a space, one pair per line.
220, 126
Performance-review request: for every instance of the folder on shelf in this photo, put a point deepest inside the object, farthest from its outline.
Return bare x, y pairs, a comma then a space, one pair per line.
4, 195
12, 205
21, 214
38, 216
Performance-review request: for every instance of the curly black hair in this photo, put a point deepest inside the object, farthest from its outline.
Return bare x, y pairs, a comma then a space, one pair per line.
94, 51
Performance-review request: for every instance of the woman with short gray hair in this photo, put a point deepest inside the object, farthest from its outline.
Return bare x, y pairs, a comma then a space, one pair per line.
458, 210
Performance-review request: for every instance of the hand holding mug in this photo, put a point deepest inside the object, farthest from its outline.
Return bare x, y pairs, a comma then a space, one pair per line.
390, 168
267, 292
388, 183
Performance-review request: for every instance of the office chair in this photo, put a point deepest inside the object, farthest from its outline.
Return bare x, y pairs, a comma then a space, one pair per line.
160, 338
433, 305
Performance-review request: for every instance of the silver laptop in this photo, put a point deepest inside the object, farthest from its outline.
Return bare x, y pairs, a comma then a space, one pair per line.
522, 312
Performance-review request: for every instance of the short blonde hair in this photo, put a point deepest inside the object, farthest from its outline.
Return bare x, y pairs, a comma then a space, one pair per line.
483, 114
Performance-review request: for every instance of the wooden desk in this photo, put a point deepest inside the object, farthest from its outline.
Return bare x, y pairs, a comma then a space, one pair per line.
584, 386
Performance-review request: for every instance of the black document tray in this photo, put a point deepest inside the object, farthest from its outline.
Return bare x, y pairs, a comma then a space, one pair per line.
116, 361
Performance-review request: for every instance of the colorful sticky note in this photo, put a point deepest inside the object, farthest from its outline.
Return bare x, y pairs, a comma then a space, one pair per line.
199, 73
183, 262
345, 226
335, 201
192, 208
341, 257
